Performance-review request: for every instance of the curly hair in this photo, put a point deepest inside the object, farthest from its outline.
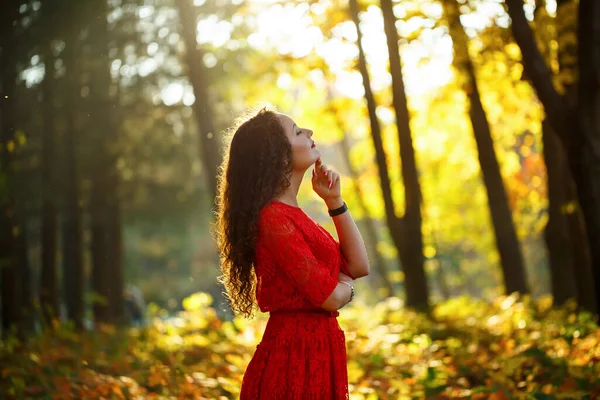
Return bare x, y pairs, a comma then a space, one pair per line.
256, 168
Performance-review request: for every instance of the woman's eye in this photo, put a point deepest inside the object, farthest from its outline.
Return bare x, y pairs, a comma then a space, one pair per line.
298, 132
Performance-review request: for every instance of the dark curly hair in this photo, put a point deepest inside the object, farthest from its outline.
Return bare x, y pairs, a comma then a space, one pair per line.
256, 168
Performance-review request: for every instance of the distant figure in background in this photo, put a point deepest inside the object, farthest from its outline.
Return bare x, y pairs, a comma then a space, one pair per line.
135, 307
275, 256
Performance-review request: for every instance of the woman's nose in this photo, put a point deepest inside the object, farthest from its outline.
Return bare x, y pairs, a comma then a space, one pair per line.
310, 133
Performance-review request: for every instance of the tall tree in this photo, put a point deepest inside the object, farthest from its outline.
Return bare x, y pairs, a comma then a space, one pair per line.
10, 272
577, 122
102, 126
116, 300
73, 273
210, 152
559, 242
566, 18
513, 270
371, 236
410, 235
394, 223
49, 278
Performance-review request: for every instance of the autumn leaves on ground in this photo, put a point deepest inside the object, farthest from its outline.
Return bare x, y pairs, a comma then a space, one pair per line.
513, 348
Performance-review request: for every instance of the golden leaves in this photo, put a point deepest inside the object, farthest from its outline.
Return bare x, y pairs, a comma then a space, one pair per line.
470, 349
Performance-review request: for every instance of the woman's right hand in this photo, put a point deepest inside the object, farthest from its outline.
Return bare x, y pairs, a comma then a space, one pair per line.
326, 184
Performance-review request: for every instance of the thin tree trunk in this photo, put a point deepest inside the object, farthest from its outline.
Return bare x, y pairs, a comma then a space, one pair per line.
369, 224
393, 222
577, 126
442, 281
417, 291
115, 238
10, 272
114, 225
73, 274
513, 269
29, 317
101, 119
49, 278
210, 152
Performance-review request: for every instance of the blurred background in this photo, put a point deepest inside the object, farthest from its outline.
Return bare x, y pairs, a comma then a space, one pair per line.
113, 114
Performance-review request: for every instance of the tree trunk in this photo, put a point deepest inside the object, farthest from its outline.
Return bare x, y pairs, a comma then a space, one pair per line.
442, 281
577, 126
369, 224
10, 272
49, 279
513, 269
29, 314
411, 254
556, 233
584, 277
210, 151
116, 299
585, 156
564, 209
73, 273
393, 222
101, 120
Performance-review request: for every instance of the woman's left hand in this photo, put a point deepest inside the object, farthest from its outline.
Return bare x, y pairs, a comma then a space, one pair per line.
325, 182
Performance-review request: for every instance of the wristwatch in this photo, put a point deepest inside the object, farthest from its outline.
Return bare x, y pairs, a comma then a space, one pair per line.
338, 211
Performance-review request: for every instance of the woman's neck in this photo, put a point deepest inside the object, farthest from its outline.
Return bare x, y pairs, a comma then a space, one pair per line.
290, 195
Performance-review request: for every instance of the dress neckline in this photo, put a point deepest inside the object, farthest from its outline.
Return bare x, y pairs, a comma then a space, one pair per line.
285, 204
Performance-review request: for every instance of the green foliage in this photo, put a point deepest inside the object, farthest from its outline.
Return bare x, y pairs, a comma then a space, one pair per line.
510, 348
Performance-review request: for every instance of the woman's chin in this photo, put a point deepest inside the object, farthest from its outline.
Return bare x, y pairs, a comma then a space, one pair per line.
317, 155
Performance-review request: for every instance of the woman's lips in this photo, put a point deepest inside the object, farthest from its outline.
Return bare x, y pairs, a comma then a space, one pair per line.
313, 145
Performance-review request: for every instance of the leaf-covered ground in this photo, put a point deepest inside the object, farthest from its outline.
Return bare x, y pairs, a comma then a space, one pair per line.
514, 348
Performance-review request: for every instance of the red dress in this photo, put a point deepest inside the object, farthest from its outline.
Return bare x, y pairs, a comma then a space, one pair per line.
302, 355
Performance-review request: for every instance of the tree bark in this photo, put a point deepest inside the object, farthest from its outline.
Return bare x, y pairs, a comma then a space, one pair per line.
49, 278
577, 126
116, 298
556, 233
10, 272
29, 312
73, 273
101, 119
585, 156
411, 254
513, 269
210, 151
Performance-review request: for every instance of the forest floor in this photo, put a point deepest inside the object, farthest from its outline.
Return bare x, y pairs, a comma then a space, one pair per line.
513, 348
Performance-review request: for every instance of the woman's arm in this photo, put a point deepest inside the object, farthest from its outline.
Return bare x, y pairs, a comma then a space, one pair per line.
338, 298
351, 242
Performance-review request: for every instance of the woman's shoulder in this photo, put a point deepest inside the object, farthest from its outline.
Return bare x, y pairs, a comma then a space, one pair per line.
276, 211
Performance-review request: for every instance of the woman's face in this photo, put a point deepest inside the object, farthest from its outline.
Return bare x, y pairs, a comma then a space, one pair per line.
304, 151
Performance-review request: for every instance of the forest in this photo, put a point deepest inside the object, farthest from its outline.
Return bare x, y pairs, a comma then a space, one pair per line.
467, 136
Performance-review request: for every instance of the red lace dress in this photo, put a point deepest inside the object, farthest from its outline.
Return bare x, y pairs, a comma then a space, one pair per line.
302, 355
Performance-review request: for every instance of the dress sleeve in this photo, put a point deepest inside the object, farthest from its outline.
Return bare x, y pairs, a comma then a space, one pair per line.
287, 247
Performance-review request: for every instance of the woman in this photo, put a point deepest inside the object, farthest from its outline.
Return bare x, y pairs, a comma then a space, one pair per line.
274, 255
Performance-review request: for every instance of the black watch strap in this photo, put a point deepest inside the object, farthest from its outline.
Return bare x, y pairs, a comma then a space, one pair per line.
338, 211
